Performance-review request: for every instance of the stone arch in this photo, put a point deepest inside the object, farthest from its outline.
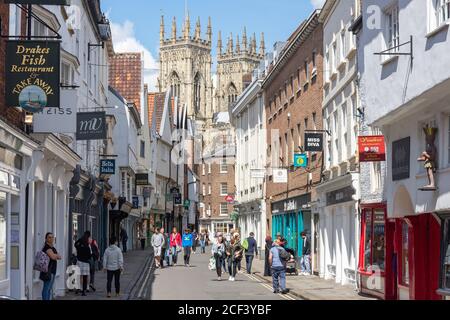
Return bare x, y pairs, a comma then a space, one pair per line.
232, 93
197, 92
403, 205
175, 84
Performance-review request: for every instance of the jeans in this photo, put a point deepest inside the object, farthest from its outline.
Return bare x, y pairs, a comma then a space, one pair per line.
163, 256
249, 260
124, 245
143, 244
234, 265
219, 260
203, 246
305, 264
110, 274
47, 289
187, 254
279, 278
174, 254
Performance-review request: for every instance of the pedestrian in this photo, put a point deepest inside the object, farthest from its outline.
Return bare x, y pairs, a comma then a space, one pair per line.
175, 245
113, 266
218, 251
168, 253
305, 261
95, 258
49, 277
187, 246
124, 239
283, 241
251, 252
277, 260
194, 241
236, 254
202, 239
157, 243
143, 240
164, 247
269, 244
84, 254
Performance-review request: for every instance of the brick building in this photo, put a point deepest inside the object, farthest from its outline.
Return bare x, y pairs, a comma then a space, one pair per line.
125, 75
293, 104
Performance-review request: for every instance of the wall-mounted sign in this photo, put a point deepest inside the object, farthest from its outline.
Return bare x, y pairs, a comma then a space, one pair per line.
401, 159
229, 199
280, 176
294, 204
32, 70
142, 179
62, 120
371, 149
135, 202
91, 126
177, 199
108, 166
41, 2
313, 142
257, 173
300, 160
340, 196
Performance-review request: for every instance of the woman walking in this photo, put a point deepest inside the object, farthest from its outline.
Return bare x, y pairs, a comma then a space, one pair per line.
269, 244
194, 241
175, 245
236, 254
202, 238
113, 265
49, 277
95, 258
84, 254
218, 251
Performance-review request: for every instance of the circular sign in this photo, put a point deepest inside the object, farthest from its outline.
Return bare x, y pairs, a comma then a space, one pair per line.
32, 99
229, 199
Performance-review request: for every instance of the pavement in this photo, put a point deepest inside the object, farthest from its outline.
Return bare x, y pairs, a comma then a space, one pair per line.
135, 263
311, 287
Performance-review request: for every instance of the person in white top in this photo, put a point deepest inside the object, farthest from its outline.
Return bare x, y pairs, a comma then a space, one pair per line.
113, 265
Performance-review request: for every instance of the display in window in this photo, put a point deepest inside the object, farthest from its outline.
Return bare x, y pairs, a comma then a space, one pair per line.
428, 157
378, 248
368, 242
405, 254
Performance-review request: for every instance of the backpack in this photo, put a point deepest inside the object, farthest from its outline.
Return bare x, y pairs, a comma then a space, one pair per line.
245, 244
284, 255
41, 262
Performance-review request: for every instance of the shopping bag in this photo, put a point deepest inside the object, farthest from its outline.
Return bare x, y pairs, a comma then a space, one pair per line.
212, 264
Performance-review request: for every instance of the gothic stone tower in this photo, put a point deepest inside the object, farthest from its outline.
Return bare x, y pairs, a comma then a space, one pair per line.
232, 65
185, 67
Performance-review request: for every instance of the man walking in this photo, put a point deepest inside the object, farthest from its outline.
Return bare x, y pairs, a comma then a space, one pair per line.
187, 240
305, 262
164, 247
277, 260
157, 243
250, 252
124, 239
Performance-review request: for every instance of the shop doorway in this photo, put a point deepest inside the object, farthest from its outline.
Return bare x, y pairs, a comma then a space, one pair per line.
316, 244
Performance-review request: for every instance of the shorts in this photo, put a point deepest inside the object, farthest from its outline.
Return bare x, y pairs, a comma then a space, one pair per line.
85, 268
157, 251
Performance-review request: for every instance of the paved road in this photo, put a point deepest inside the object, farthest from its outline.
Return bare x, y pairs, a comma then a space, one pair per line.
199, 283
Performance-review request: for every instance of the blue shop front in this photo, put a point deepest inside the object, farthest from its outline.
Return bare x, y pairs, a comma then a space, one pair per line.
290, 218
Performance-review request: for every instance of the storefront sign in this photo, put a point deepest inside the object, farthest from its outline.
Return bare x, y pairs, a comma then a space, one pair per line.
300, 161
107, 166
32, 70
91, 126
340, 196
280, 176
293, 204
313, 142
401, 159
142, 179
40, 2
177, 199
372, 149
258, 173
58, 120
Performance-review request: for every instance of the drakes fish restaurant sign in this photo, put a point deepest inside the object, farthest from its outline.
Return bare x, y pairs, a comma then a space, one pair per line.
33, 73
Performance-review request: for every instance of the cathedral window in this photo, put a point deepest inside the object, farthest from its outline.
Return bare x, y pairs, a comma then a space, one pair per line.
197, 91
232, 94
175, 85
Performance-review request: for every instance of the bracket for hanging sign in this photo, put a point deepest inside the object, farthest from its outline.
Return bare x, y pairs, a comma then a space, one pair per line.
388, 52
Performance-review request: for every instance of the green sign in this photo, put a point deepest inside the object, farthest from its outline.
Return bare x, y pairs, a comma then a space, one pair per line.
300, 160
187, 203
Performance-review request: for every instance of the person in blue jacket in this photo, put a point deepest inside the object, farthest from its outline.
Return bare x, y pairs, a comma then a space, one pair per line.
187, 240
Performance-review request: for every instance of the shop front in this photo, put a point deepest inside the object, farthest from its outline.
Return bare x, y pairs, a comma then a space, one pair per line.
120, 210
290, 218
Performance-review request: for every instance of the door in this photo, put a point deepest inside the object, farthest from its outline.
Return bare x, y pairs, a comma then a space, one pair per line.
316, 246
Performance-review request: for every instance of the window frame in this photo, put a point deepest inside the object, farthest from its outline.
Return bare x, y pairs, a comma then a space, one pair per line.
222, 184
221, 207
392, 30
222, 164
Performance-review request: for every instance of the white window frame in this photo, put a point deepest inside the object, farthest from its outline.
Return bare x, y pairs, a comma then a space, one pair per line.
209, 189
222, 185
221, 209
439, 14
392, 30
204, 189
222, 164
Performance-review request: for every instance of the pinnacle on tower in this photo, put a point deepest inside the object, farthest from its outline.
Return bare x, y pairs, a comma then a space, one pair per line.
198, 29
209, 31
253, 50
244, 40
238, 46
262, 46
230, 44
187, 27
161, 30
174, 29
219, 44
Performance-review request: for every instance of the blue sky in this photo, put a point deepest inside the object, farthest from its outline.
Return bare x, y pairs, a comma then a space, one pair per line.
135, 23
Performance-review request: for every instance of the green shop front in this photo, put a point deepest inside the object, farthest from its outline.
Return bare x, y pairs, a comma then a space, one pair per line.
290, 218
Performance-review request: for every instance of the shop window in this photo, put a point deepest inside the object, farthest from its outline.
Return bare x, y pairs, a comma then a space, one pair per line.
3, 273
405, 255
445, 272
374, 240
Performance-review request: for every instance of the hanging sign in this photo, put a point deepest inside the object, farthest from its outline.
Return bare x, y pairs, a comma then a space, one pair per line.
313, 142
91, 126
229, 199
142, 179
177, 199
300, 160
371, 149
108, 166
280, 176
33, 74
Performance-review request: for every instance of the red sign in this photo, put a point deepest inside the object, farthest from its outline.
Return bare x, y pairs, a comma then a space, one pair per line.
372, 149
229, 199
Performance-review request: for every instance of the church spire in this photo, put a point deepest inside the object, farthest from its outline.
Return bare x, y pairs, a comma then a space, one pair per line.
209, 31
230, 44
198, 29
174, 29
161, 30
262, 46
219, 44
244, 40
187, 27
253, 50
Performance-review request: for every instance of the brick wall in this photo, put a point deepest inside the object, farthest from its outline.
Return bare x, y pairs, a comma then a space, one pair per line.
300, 105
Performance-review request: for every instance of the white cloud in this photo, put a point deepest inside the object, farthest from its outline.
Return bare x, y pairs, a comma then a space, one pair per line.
125, 41
317, 4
